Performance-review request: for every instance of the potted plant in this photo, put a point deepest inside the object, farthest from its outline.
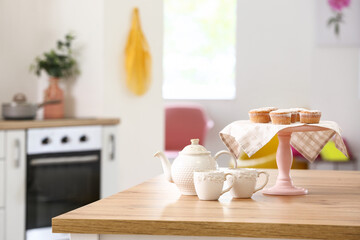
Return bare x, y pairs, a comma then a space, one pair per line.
58, 63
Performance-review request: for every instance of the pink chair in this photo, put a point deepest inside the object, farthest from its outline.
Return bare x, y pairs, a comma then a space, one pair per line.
183, 122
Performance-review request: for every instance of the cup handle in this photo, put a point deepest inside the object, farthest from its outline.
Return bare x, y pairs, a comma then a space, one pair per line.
226, 152
266, 181
231, 185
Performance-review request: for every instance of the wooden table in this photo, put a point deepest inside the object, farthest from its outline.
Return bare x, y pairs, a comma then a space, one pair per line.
331, 210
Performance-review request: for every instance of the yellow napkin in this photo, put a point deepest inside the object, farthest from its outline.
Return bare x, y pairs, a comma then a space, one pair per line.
331, 153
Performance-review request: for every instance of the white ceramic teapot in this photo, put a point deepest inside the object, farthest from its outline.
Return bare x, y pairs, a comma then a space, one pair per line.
192, 158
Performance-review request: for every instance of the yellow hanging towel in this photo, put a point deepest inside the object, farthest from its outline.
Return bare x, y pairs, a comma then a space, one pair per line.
137, 58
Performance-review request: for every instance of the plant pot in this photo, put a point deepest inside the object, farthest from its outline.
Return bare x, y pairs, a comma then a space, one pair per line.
54, 92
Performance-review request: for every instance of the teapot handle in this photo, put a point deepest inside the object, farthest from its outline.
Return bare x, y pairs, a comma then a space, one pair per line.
226, 152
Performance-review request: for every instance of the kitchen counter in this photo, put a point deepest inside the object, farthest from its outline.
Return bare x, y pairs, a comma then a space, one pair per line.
65, 122
331, 210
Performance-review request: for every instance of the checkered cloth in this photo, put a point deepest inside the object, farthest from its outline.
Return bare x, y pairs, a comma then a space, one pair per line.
251, 137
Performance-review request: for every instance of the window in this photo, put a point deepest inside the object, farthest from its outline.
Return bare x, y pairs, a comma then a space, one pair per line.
199, 49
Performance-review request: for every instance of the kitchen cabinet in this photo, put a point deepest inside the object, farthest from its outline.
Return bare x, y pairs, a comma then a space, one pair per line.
109, 165
2, 224
15, 166
2, 145
2, 183
2, 186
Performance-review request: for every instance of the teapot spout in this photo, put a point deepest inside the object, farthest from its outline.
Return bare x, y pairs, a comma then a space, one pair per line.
166, 165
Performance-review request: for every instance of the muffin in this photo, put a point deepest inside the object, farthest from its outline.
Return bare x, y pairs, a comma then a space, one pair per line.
310, 116
297, 110
261, 115
270, 108
294, 115
281, 116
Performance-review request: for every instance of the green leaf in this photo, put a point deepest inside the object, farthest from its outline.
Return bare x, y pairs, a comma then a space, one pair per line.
331, 21
337, 29
57, 63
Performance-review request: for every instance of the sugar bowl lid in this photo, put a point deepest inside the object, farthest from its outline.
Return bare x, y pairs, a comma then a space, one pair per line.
194, 148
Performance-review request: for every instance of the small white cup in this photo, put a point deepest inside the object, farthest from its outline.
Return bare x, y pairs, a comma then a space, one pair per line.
244, 183
209, 184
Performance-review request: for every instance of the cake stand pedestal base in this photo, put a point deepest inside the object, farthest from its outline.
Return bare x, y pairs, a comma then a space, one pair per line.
285, 188
284, 158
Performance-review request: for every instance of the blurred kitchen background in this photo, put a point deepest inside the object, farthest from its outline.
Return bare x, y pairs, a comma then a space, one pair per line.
228, 56
271, 56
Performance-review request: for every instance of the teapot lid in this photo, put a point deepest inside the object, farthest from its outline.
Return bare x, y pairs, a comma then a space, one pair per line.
194, 148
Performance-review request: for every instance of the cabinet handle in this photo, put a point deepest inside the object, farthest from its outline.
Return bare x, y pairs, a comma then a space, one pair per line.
17, 153
112, 148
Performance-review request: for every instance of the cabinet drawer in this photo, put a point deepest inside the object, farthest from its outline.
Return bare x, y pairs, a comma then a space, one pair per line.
2, 145
2, 184
2, 224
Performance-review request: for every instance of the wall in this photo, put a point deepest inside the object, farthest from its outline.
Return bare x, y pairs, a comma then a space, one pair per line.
28, 28
278, 64
16, 48
274, 52
335, 90
85, 20
141, 130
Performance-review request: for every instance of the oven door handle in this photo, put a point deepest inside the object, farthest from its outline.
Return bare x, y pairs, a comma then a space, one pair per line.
63, 160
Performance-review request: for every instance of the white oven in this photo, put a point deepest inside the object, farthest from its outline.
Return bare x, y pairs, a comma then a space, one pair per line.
62, 173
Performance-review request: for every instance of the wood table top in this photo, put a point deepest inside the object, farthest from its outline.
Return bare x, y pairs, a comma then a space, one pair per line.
64, 122
331, 210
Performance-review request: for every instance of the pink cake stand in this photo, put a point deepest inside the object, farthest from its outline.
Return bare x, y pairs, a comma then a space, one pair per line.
284, 158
